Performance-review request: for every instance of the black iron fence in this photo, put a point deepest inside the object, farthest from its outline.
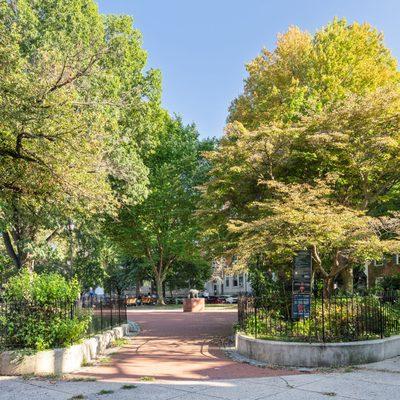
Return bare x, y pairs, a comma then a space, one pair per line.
20, 319
106, 313
338, 318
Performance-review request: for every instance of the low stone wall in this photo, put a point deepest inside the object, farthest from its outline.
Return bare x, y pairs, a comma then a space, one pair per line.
296, 354
59, 361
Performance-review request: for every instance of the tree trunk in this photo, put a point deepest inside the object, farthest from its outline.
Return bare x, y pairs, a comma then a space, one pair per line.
10, 250
328, 286
348, 280
137, 287
159, 288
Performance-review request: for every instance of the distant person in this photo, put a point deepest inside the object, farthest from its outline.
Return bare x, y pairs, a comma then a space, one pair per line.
91, 295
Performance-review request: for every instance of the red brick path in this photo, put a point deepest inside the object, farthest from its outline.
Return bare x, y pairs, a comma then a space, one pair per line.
173, 345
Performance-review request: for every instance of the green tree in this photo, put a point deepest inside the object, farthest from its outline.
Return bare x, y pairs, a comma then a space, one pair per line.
77, 113
306, 73
163, 229
189, 275
301, 216
124, 274
342, 135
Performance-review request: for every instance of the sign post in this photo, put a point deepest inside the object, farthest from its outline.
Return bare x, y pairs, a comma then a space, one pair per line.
301, 284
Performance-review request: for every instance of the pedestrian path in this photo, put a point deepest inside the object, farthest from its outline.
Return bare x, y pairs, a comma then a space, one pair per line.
176, 357
173, 345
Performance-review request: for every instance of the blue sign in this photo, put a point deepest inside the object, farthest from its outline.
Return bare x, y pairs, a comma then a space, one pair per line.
301, 306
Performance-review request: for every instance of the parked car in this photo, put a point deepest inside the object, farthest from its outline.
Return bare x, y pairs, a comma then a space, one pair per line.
231, 299
216, 300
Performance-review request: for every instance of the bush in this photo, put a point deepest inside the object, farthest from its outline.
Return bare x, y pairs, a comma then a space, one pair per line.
40, 312
336, 320
391, 282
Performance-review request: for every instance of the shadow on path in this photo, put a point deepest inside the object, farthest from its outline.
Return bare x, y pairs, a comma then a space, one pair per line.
178, 346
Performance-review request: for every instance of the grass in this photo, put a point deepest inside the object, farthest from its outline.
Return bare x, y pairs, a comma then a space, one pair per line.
86, 363
82, 379
222, 306
105, 391
119, 342
27, 377
105, 360
128, 386
147, 379
77, 397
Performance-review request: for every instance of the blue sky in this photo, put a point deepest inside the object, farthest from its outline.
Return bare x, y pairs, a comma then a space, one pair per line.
201, 46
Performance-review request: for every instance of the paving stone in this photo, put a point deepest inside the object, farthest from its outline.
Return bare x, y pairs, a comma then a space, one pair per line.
392, 365
240, 390
357, 389
296, 394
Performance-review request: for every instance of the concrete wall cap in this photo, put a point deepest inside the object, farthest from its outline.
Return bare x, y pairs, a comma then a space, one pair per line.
333, 344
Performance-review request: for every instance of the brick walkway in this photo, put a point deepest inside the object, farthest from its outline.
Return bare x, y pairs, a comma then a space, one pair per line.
174, 345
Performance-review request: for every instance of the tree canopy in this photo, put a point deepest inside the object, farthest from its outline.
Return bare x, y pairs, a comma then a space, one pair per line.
310, 157
306, 73
163, 229
77, 115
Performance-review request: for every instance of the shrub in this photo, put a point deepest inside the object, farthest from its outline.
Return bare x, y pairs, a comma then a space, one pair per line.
40, 312
335, 320
41, 289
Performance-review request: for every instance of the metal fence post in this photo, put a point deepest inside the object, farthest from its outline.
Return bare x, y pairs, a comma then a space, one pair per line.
323, 316
101, 315
126, 309
255, 320
111, 313
381, 311
119, 311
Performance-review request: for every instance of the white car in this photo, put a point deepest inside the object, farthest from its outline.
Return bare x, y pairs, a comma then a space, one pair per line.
231, 300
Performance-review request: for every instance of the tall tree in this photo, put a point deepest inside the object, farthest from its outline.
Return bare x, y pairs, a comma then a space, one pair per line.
305, 73
76, 114
343, 131
163, 229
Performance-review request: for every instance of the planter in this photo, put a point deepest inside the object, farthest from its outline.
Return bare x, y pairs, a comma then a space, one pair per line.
296, 354
193, 305
59, 361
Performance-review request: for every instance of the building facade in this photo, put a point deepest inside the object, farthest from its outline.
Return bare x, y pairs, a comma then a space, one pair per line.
226, 282
229, 285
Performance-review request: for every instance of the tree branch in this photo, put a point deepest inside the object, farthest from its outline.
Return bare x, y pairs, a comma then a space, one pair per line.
10, 249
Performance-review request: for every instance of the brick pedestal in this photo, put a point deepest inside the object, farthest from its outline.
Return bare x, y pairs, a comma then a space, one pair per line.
193, 305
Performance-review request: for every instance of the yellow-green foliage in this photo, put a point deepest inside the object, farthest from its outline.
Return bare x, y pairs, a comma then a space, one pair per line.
311, 155
308, 72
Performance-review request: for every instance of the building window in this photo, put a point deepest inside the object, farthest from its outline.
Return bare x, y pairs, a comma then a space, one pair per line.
241, 280
235, 281
226, 282
378, 263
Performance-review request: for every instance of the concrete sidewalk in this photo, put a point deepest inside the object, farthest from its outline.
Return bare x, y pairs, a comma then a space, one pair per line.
376, 381
176, 356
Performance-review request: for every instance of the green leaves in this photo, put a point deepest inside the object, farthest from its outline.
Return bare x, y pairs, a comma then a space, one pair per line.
37, 306
310, 154
41, 288
306, 74
163, 228
78, 114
